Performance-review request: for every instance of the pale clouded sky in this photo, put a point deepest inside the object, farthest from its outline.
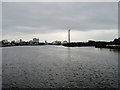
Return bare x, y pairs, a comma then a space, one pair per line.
51, 20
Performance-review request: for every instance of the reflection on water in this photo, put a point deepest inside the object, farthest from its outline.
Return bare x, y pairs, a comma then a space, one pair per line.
0, 68
57, 66
111, 50
115, 50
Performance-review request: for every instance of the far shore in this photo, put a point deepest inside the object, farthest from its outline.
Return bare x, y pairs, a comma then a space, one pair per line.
71, 45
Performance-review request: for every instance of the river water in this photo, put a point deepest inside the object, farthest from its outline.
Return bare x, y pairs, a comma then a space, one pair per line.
59, 67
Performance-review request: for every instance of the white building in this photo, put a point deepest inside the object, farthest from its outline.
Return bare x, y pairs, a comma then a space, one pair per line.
56, 42
64, 42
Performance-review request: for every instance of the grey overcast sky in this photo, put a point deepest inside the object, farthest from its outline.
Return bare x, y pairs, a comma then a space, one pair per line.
51, 20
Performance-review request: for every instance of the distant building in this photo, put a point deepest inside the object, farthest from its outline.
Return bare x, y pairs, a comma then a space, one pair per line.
46, 42
30, 42
64, 42
36, 41
56, 42
20, 40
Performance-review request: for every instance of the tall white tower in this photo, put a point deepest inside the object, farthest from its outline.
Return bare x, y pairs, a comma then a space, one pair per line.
69, 36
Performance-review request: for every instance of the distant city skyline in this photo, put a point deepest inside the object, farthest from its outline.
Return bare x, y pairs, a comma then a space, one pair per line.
51, 21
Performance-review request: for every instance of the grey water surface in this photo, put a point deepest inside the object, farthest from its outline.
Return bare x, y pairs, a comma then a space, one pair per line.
59, 67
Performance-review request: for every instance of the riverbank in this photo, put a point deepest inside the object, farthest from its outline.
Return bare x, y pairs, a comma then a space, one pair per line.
96, 45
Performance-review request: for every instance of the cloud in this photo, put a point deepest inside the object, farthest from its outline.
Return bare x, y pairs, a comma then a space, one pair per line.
50, 17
